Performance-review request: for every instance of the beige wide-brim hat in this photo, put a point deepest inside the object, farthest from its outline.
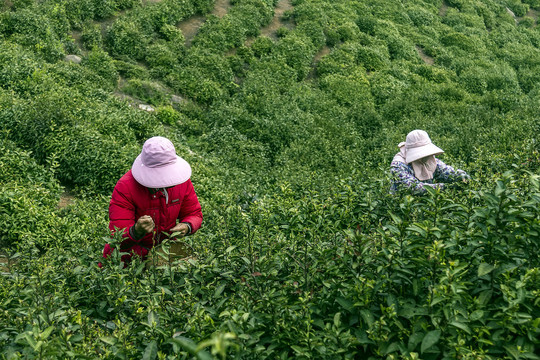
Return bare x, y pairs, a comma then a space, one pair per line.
419, 145
158, 166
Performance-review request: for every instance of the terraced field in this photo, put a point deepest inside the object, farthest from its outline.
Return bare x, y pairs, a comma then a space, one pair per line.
289, 113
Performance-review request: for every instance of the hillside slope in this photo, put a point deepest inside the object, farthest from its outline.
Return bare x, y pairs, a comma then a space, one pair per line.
289, 113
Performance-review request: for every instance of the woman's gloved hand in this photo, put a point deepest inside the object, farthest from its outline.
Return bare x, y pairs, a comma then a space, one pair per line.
182, 229
144, 225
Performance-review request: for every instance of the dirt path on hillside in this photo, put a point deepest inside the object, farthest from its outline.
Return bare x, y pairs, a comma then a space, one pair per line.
427, 59
323, 52
66, 198
533, 14
4, 264
443, 9
277, 21
190, 27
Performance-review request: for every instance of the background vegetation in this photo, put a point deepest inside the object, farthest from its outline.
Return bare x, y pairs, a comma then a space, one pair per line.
290, 130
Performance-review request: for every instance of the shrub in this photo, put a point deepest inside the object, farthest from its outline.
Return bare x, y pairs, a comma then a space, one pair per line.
420, 16
433, 73
32, 29
367, 24
517, 55
535, 4
528, 77
341, 32
15, 66
527, 22
236, 148
91, 36
502, 101
25, 209
22, 169
400, 48
488, 15
220, 34
267, 78
371, 58
282, 32
104, 8
262, 46
350, 89
474, 80
168, 115
160, 59
80, 12
385, 87
338, 61
458, 40
147, 91
172, 33
124, 38
130, 70
191, 82
457, 19
102, 64
314, 31
519, 8
297, 51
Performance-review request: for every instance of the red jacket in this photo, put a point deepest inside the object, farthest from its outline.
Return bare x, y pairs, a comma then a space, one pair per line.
130, 200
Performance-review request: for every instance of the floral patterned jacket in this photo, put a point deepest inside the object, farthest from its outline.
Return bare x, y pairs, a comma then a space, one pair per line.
403, 177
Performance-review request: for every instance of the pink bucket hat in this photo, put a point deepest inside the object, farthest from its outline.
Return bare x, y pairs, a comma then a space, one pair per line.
158, 166
419, 145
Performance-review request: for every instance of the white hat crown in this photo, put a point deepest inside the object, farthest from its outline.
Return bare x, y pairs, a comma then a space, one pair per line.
419, 145
417, 138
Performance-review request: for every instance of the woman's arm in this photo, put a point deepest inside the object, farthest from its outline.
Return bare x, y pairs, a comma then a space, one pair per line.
122, 213
403, 177
447, 174
190, 212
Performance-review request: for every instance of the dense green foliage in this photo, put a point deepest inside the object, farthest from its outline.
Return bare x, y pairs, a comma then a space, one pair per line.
303, 253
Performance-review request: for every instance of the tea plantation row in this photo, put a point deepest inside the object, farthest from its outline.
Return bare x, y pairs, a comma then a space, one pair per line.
303, 253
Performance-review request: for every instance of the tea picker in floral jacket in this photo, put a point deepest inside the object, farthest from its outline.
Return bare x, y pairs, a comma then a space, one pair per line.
415, 166
153, 199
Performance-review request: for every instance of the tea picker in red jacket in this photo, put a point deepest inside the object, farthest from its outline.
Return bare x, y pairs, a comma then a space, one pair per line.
153, 200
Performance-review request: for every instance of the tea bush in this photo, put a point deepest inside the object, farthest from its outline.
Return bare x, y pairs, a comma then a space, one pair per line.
125, 38
28, 190
303, 252
146, 91
102, 64
91, 36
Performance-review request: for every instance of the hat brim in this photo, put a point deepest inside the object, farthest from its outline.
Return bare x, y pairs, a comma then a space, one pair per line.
416, 153
161, 177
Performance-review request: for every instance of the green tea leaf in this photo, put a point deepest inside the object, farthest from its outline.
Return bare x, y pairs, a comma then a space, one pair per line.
461, 326
150, 352
476, 315
219, 290
47, 332
512, 351
367, 316
189, 346
414, 340
429, 340
346, 304
485, 269
484, 297
108, 340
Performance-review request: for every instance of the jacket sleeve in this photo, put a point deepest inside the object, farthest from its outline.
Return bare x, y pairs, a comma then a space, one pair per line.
121, 211
446, 173
191, 209
404, 178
